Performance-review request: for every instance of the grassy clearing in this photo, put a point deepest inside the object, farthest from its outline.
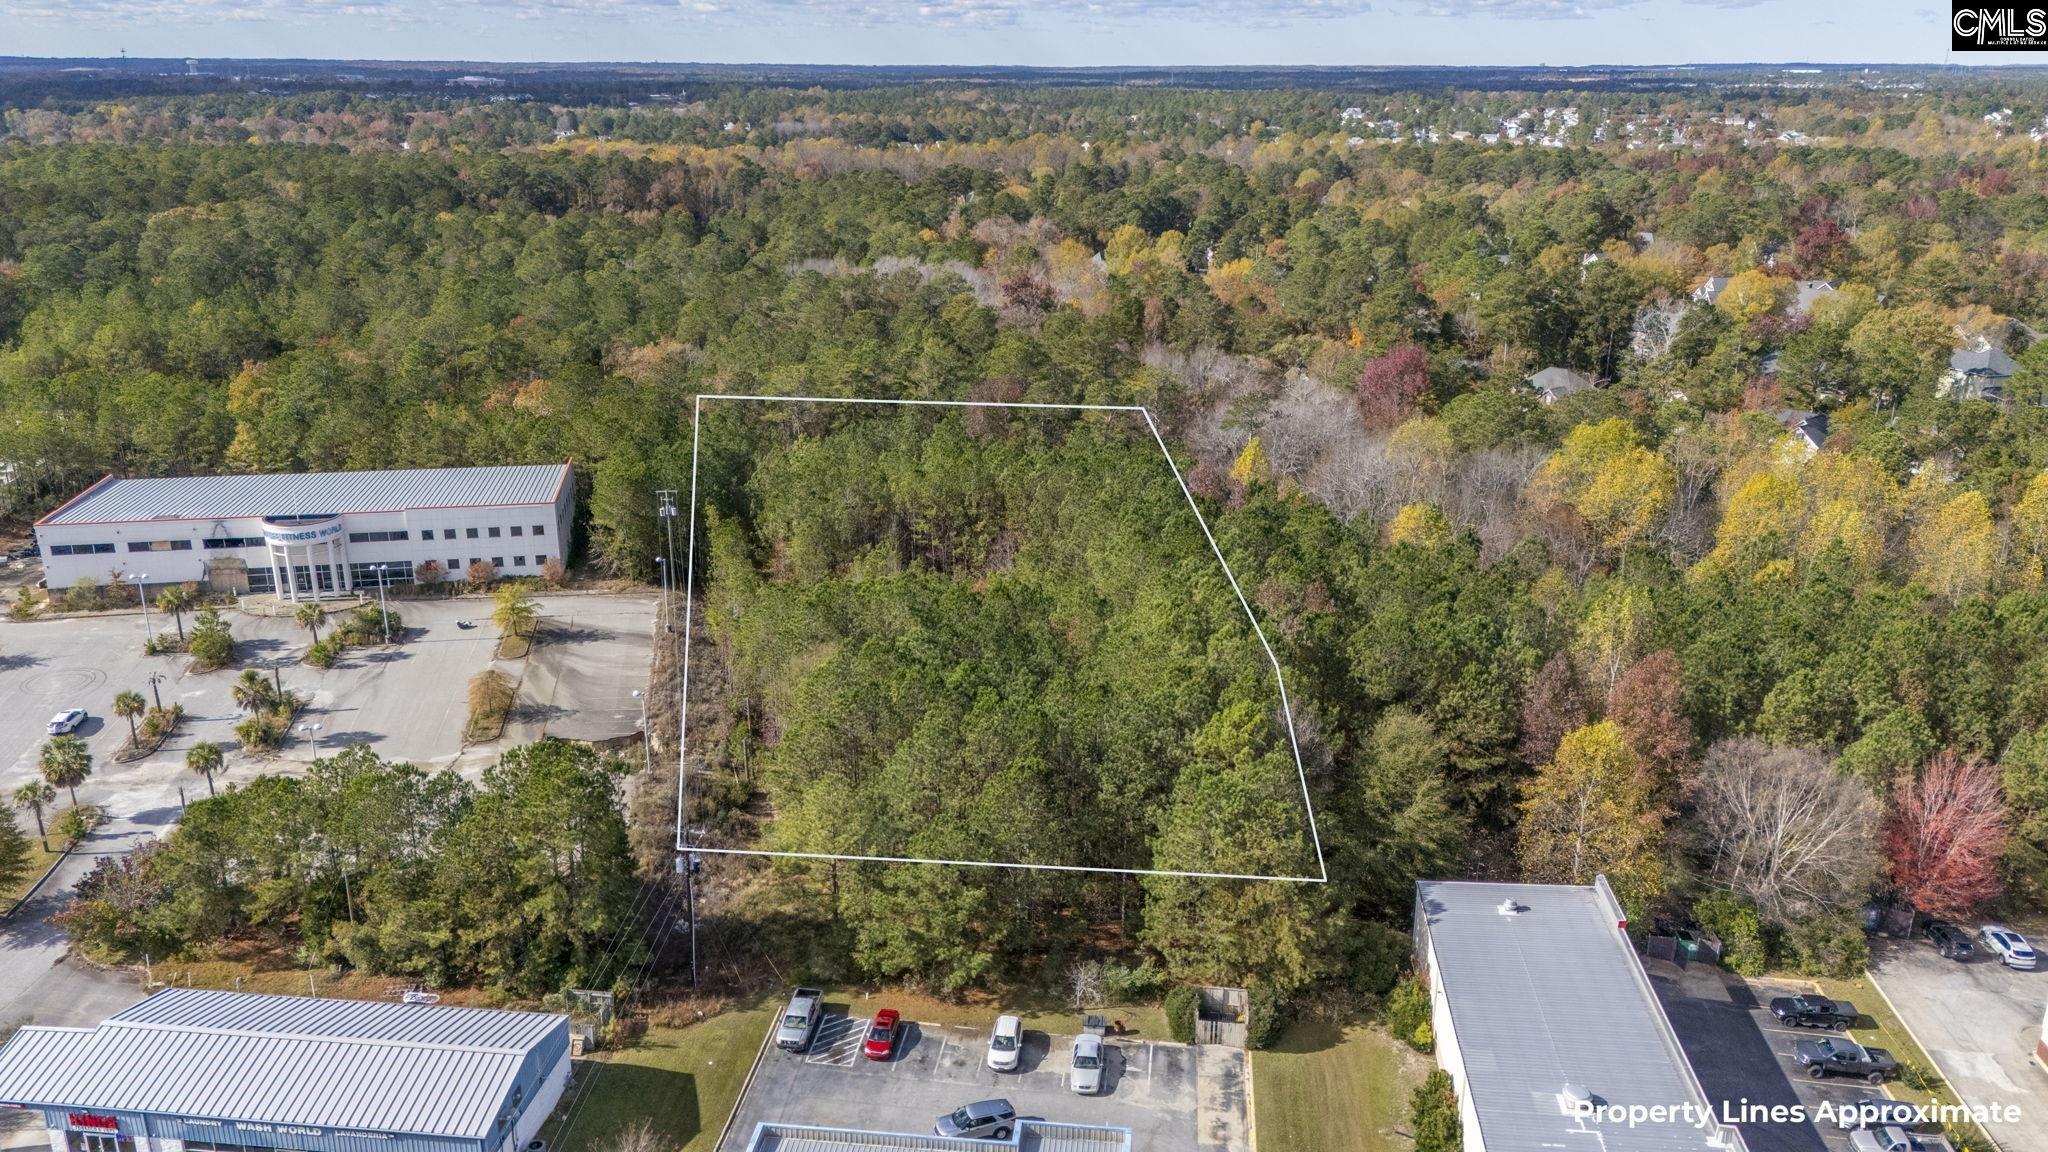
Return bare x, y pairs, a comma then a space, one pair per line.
513, 647
1325, 1088
38, 863
684, 1082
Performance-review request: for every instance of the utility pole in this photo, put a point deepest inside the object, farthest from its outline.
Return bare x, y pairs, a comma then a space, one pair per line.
689, 862
383, 613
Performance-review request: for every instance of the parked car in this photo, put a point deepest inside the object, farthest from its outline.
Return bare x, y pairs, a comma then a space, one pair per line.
2010, 947
1086, 1077
66, 721
992, 1119
1813, 1012
1877, 1114
882, 1031
22, 553
1893, 1138
800, 1019
1006, 1044
1949, 940
1840, 1057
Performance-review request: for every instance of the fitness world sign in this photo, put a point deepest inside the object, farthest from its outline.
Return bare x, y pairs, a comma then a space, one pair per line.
1998, 27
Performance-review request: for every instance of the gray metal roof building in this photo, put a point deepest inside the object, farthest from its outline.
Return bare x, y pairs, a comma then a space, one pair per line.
1537, 1000
126, 499
233, 1070
1030, 1136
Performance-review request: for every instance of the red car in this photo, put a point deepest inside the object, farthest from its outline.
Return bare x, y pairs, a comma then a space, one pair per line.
881, 1041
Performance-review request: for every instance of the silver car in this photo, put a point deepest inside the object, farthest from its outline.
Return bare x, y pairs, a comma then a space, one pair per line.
983, 1118
1087, 1074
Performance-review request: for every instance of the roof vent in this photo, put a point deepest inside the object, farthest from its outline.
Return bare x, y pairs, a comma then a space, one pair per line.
1575, 1100
1508, 907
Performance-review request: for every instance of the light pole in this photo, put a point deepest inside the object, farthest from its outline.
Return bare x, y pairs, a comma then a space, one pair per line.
646, 737
383, 614
156, 678
141, 595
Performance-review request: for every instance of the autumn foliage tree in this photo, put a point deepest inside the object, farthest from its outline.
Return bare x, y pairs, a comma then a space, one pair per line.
1390, 385
1555, 706
1947, 834
1648, 703
1591, 811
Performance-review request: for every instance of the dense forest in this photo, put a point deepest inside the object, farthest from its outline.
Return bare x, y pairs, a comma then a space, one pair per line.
1612, 628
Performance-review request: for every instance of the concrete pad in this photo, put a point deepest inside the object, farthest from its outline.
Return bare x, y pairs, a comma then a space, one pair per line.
1978, 1021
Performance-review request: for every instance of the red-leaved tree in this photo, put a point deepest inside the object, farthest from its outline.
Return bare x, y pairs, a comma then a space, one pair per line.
1390, 385
1555, 705
1649, 704
1946, 834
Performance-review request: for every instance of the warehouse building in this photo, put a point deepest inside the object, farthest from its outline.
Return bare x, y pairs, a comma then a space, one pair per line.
309, 535
199, 1071
1548, 1026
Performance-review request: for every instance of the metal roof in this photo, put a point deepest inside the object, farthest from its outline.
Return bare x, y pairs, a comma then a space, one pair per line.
1030, 1136
1552, 995
398, 1068
126, 500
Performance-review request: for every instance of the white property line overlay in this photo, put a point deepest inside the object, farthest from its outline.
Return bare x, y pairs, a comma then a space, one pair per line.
689, 593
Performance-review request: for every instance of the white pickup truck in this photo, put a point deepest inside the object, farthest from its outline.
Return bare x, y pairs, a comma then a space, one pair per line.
800, 1019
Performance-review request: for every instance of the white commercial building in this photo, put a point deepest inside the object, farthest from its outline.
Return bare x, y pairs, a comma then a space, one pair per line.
1548, 1026
310, 535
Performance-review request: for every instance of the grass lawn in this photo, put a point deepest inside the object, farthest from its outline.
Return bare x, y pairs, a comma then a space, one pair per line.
683, 1082
1329, 1088
38, 863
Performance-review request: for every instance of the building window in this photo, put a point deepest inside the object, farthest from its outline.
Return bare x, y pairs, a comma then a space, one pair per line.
159, 545
232, 542
453, 564
367, 574
519, 561
261, 580
539, 559
446, 533
517, 530
475, 560
79, 549
497, 561
377, 537
494, 531
540, 529
472, 533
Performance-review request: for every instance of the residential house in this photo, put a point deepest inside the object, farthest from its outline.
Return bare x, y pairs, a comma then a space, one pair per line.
1555, 383
1978, 372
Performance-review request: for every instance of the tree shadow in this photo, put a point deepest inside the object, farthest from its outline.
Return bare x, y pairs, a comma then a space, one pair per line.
553, 633
347, 739
12, 661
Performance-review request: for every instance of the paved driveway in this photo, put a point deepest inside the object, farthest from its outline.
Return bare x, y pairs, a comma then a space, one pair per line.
1742, 1054
1978, 1022
1150, 1088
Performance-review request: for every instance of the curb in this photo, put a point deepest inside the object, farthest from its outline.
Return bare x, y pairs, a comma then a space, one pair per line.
1949, 1081
746, 1085
40, 881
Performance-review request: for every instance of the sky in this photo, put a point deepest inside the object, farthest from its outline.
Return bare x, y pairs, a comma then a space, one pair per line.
1040, 32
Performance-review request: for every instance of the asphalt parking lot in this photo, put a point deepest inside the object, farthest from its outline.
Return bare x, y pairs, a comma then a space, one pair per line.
1149, 1087
1742, 1054
1978, 1022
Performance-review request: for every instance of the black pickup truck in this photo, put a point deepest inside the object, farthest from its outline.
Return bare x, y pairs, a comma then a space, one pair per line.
1813, 1012
1836, 1057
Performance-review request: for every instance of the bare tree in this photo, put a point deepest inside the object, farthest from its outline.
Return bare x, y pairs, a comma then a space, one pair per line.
1783, 829
640, 1137
1084, 980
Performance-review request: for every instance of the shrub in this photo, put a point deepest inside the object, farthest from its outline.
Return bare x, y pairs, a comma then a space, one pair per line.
323, 652
429, 573
1124, 984
263, 733
1266, 1016
554, 572
25, 606
160, 722
1407, 1014
163, 643
1831, 945
482, 572
83, 596
1183, 1004
1433, 1114
1744, 949
1380, 955
78, 822
212, 648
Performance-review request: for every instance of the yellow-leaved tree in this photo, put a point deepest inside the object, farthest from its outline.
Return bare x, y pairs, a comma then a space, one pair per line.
1751, 294
1420, 524
1604, 473
1251, 465
1593, 810
1955, 547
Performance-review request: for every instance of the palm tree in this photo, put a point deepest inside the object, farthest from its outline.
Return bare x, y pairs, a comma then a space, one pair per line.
516, 612
35, 796
175, 599
252, 693
66, 762
309, 617
204, 758
128, 705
